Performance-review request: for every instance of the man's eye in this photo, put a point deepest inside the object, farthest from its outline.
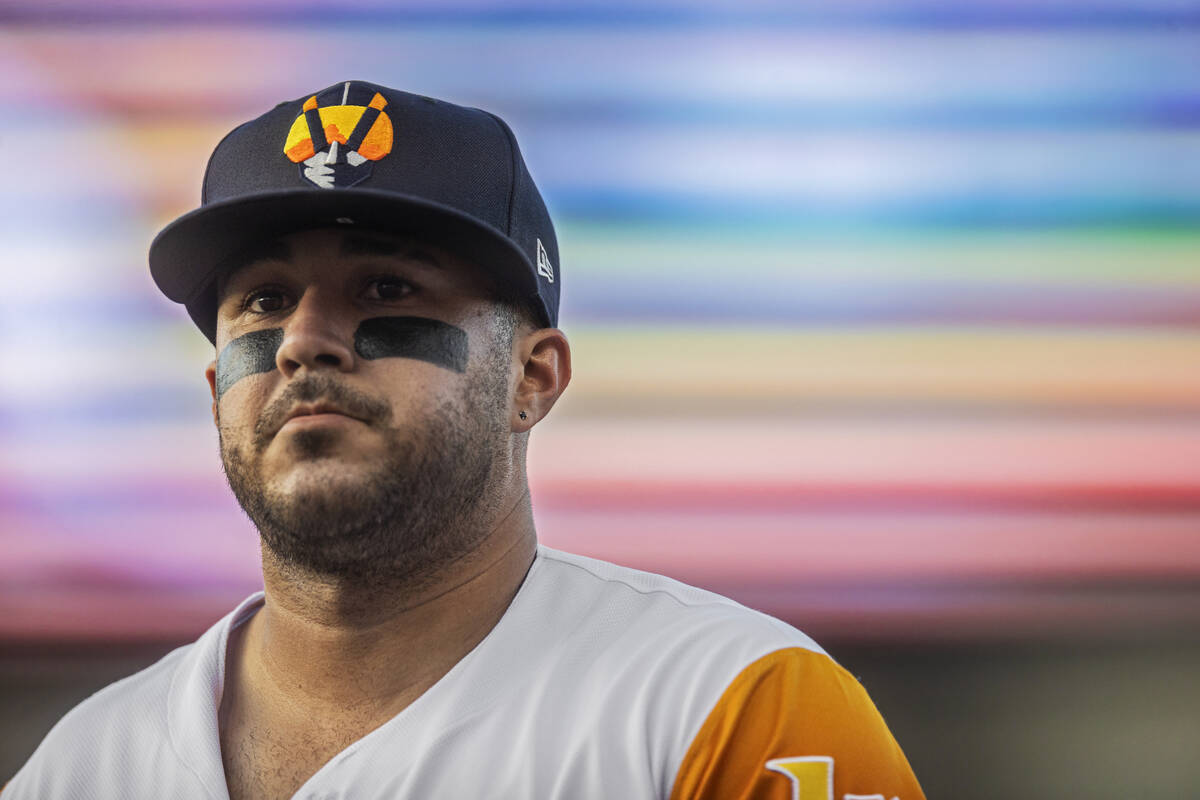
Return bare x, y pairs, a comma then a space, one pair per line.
264, 301
389, 288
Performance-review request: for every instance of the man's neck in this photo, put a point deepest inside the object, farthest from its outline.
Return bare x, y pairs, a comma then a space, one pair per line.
330, 645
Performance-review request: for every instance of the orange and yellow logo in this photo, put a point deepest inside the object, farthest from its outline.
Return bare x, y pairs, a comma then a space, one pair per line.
335, 145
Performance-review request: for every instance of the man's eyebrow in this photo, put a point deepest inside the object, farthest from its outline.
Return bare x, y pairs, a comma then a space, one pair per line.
274, 250
358, 245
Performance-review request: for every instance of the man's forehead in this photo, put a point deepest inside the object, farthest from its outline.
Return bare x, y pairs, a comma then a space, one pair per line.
350, 244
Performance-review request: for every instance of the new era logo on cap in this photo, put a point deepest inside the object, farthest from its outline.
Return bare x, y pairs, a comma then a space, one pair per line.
544, 267
361, 154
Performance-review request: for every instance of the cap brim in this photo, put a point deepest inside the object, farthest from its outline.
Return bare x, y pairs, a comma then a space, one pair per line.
188, 256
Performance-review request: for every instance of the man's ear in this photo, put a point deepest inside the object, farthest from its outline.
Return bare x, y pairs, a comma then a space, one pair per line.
210, 372
544, 357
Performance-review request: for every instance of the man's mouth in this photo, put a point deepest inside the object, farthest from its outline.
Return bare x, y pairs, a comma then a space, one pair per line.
317, 413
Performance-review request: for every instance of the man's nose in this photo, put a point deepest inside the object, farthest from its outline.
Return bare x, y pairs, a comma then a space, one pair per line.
316, 334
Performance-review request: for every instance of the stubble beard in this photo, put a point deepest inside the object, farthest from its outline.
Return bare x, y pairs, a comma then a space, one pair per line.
424, 505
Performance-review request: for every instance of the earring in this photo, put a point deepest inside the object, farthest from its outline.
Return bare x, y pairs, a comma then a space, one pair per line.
522, 415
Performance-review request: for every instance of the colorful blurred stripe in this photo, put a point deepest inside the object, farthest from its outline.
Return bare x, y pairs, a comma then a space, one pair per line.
885, 316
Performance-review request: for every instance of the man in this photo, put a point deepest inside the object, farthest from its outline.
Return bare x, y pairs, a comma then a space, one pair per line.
380, 279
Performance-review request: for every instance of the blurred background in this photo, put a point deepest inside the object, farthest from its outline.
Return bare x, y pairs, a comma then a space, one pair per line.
886, 320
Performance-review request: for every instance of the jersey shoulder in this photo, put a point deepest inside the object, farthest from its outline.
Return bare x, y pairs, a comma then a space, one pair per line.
794, 724
152, 734
675, 614
124, 722
749, 705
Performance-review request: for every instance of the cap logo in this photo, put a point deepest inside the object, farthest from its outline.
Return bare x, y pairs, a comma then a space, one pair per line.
336, 145
544, 267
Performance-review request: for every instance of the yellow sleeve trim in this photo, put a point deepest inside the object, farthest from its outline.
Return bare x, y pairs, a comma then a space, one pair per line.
794, 720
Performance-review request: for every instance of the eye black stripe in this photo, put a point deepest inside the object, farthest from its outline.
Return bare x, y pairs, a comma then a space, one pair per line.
424, 339
419, 338
247, 355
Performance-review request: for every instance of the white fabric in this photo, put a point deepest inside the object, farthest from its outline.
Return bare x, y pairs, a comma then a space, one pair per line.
593, 684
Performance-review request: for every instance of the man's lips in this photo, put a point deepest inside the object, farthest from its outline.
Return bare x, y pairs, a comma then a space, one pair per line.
316, 419
316, 413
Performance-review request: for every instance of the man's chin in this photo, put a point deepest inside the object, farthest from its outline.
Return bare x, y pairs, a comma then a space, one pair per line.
338, 449
321, 478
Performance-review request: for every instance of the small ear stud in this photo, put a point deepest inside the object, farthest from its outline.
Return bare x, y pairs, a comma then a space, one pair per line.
522, 415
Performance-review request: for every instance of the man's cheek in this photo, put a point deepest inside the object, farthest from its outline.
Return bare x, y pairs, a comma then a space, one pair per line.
250, 354
430, 340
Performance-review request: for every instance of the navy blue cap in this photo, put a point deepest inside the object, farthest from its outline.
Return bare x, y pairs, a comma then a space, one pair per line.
358, 155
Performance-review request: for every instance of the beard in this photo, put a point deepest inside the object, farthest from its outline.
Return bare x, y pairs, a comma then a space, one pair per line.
421, 507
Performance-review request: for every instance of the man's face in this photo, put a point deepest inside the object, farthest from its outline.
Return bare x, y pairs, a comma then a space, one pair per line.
354, 465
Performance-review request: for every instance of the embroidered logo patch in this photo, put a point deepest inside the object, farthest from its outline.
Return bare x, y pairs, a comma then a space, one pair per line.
544, 267
335, 144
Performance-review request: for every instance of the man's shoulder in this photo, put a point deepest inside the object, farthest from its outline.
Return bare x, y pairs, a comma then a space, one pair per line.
722, 692
123, 718
140, 696
627, 650
684, 623
122, 735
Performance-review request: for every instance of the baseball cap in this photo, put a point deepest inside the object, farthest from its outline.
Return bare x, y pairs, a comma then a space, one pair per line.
357, 155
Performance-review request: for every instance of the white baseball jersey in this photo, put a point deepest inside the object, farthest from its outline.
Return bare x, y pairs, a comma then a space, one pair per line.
598, 682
